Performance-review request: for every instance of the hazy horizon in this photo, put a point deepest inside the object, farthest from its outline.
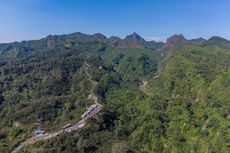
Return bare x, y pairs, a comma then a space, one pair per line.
158, 20
147, 39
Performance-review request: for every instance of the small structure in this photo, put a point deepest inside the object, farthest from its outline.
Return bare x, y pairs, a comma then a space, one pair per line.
39, 132
89, 110
91, 97
81, 125
92, 107
85, 114
66, 126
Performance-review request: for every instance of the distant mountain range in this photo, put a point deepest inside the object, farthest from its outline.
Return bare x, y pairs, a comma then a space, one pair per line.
131, 41
156, 97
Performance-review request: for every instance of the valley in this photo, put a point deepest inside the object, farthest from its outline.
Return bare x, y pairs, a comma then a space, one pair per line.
116, 95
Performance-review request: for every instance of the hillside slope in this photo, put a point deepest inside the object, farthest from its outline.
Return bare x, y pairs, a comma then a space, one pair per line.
184, 106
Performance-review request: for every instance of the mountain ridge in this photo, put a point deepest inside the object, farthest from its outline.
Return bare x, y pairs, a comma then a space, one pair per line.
133, 40
97, 35
43, 85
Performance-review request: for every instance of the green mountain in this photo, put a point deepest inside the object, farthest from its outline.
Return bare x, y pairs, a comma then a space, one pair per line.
156, 97
218, 41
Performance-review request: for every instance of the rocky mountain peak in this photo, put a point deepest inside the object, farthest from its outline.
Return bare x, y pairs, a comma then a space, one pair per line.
134, 37
100, 36
218, 39
175, 40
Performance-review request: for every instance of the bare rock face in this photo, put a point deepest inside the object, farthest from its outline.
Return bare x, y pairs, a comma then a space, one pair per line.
115, 41
130, 41
175, 40
134, 38
100, 37
50, 41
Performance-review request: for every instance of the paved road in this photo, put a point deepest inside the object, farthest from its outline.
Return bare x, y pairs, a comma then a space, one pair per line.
78, 125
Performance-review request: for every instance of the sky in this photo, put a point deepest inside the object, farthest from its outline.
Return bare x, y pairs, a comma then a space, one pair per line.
152, 19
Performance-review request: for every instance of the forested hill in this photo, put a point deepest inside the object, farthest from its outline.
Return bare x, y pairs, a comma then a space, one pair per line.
79, 40
156, 97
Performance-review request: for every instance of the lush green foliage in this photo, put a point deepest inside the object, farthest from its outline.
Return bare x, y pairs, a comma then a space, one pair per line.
197, 80
183, 108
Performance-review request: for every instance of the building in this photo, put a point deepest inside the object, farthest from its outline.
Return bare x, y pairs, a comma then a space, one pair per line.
66, 126
89, 110
81, 125
85, 114
92, 107
39, 132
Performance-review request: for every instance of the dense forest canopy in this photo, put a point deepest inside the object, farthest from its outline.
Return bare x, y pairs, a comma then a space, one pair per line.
156, 97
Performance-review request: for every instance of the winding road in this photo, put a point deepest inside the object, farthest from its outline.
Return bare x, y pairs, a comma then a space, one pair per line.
80, 124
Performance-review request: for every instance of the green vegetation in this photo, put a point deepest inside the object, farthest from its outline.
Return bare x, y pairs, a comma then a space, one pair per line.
184, 106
